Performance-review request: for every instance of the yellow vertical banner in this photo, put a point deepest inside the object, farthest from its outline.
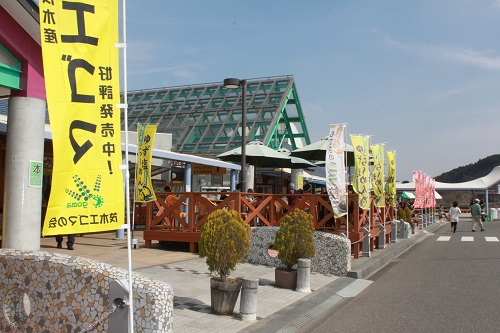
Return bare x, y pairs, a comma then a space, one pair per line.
390, 186
81, 71
144, 190
300, 181
361, 145
377, 176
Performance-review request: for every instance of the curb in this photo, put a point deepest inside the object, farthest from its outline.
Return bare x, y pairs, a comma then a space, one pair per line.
296, 315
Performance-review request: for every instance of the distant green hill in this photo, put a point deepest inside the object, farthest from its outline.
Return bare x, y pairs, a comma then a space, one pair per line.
470, 172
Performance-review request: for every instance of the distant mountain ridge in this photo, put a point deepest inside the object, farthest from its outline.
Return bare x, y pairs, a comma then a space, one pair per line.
470, 172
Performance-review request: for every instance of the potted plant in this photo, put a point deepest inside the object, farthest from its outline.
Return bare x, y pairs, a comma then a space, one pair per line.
294, 240
224, 241
401, 215
408, 214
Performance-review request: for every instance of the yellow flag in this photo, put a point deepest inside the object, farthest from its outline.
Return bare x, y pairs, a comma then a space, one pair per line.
390, 186
82, 83
144, 191
377, 177
361, 145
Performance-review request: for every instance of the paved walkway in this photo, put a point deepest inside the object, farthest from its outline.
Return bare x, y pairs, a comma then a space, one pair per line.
278, 310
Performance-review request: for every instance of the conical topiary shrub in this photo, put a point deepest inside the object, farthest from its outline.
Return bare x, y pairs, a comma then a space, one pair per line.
224, 241
294, 239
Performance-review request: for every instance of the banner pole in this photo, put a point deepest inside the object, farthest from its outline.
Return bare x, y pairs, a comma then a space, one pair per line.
135, 179
370, 210
346, 189
393, 197
127, 171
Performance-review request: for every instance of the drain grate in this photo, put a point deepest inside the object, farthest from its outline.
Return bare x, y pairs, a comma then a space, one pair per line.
295, 325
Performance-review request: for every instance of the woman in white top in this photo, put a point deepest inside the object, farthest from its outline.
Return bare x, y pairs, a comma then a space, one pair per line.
454, 214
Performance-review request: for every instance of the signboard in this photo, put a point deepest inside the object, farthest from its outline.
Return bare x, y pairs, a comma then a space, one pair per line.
202, 169
177, 186
36, 174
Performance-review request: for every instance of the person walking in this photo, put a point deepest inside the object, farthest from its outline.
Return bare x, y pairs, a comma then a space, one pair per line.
441, 213
475, 211
454, 216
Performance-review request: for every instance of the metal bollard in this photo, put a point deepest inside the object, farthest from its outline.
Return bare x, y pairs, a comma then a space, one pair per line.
365, 245
248, 300
304, 276
135, 243
118, 298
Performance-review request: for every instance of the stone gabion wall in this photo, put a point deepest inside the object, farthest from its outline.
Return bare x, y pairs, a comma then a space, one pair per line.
52, 292
333, 253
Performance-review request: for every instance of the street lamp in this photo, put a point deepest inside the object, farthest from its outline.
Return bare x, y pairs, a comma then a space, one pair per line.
232, 83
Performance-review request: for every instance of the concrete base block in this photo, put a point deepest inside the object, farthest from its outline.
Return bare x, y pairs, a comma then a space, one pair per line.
381, 240
304, 276
248, 299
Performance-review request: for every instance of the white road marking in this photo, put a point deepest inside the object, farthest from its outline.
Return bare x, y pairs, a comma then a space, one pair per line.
467, 238
443, 238
491, 239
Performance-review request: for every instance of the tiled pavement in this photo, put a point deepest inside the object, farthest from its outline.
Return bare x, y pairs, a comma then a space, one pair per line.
277, 309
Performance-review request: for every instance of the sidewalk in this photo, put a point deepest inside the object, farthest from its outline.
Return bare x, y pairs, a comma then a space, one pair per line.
278, 310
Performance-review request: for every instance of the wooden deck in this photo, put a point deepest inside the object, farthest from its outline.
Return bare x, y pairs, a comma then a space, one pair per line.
178, 217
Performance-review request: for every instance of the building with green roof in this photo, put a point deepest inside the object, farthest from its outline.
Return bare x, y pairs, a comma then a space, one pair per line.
205, 119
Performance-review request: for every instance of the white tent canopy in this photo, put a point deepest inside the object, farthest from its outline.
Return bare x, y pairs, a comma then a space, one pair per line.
170, 155
479, 184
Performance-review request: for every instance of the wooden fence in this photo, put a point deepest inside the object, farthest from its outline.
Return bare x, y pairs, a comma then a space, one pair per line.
178, 217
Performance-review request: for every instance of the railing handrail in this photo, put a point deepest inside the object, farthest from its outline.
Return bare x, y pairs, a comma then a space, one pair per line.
256, 209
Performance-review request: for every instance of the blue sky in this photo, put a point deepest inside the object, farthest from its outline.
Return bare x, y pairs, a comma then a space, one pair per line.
421, 76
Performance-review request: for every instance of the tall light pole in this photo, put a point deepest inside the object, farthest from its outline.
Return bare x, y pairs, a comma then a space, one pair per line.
232, 83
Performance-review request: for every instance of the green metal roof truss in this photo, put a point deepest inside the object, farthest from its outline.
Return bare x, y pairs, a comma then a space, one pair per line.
205, 120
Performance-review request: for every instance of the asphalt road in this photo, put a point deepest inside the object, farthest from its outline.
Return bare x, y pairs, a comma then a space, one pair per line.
450, 285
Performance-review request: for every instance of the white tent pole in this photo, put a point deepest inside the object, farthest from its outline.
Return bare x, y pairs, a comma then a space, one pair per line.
124, 107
